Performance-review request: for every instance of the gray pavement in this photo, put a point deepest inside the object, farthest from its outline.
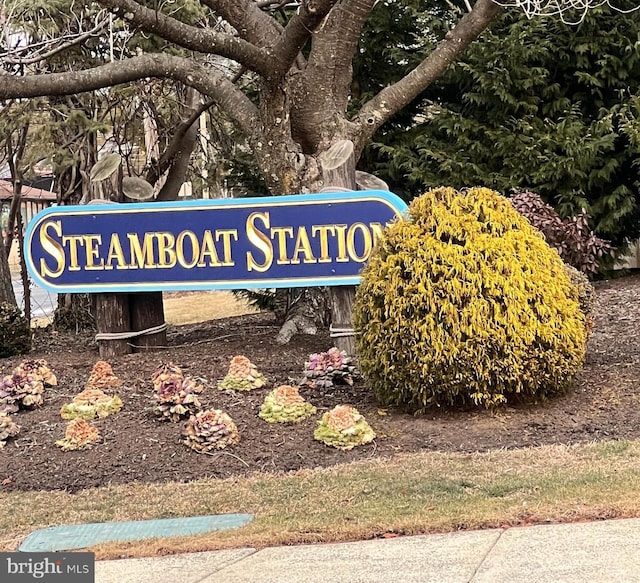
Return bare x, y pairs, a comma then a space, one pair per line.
593, 552
43, 302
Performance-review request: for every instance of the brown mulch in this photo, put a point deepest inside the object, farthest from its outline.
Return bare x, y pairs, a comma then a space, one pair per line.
135, 446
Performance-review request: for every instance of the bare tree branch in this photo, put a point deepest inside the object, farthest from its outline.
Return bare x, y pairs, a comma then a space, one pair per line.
51, 53
224, 92
393, 98
298, 31
191, 37
14, 159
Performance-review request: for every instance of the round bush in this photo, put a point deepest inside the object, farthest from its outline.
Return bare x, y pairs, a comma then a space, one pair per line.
464, 302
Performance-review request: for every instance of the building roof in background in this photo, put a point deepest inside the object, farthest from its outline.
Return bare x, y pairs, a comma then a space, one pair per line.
28, 192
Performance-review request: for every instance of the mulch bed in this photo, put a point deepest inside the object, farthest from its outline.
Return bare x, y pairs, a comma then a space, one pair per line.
135, 446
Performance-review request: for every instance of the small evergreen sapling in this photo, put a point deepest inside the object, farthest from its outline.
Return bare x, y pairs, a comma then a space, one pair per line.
326, 369
210, 430
243, 375
344, 427
176, 394
285, 405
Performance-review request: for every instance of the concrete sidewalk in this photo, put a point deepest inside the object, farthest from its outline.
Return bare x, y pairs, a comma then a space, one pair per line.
595, 552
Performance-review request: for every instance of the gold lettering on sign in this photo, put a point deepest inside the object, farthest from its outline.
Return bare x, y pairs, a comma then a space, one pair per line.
208, 251
351, 243
303, 245
115, 253
323, 230
92, 247
267, 243
260, 241
141, 255
195, 249
342, 245
73, 240
51, 247
227, 235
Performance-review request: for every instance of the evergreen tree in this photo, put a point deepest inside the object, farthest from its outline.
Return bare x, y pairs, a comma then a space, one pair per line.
537, 105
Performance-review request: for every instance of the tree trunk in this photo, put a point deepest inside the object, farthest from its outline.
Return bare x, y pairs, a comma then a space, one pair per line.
7, 295
74, 312
112, 310
112, 318
24, 276
301, 311
339, 173
147, 311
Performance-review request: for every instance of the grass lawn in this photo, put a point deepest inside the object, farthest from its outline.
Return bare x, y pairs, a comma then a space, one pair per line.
409, 494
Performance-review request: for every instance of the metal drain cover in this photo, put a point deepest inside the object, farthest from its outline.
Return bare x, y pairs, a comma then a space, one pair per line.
80, 536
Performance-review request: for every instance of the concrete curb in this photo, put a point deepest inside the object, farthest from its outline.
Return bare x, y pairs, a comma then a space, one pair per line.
597, 552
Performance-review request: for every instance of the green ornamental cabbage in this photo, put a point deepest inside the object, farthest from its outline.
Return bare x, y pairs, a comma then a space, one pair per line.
285, 405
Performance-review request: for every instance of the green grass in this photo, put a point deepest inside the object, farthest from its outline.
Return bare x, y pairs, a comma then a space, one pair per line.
409, 494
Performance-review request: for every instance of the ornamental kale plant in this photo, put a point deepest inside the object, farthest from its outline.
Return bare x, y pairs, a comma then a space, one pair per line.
24, 388
344, 427
209, 430
8, 428
243, 375
285, 405
326, 369
91, 403
80, 434
102, 377
176, 394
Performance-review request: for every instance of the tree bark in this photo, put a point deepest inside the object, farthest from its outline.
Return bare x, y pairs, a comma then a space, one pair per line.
112, 316
339, 171
302, 311
7, 295
147, 311
112, 310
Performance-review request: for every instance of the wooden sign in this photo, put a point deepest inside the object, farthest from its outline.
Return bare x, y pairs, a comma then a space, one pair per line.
286, 241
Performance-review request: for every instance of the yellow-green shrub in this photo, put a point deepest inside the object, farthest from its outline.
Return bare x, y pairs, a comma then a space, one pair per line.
464, 302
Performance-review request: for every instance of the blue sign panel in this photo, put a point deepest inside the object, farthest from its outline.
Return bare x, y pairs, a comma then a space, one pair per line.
285, 241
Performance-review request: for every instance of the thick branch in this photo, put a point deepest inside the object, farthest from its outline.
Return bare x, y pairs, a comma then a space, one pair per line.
393, 98
191, 37
183, 149
335, 46
298, 31
245, 16
224, 92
